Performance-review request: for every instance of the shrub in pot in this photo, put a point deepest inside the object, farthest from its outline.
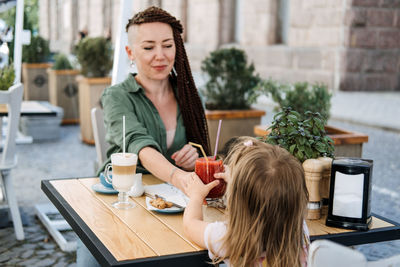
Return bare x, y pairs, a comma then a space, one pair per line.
34, 69
300, 96
304, 136
304, 97
63, 88
228, 91
95, 58
231, 80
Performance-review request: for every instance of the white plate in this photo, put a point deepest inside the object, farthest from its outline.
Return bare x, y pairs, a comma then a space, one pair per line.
170, 193
166, 210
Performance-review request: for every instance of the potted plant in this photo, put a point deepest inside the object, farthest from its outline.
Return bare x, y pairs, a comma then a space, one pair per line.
304, 136
34, 75
229, 94
63, 88
304, 97
95, 57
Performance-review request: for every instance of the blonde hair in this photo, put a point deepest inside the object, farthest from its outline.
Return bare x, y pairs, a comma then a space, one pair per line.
266, 203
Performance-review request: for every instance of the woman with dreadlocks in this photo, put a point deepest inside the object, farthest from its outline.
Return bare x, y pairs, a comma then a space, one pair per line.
162, 108
161, 105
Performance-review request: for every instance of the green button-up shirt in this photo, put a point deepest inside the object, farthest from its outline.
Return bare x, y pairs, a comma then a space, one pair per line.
143, 124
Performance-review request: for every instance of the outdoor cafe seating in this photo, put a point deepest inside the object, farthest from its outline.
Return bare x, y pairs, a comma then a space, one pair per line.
142, 236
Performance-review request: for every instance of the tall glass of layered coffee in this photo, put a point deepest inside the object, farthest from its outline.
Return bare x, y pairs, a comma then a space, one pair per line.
123, 176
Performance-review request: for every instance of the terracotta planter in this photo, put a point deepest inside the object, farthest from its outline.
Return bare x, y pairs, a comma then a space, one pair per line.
63, 92
35, 79
347, 144
234, 123
90, 90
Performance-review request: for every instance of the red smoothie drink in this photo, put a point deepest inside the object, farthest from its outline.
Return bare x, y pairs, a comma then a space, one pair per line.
205, 170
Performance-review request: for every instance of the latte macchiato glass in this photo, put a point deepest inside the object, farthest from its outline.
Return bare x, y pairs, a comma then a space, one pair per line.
123, 176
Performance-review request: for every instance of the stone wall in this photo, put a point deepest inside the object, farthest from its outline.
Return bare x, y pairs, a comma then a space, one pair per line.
294, 64
347, 44
371, 60
61, 21
315, 23
312, 50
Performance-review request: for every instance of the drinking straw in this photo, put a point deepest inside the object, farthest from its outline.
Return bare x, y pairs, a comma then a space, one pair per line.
123, 134
202, 150
216, 141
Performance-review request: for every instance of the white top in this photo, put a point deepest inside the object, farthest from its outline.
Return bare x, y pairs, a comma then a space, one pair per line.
170, 137
214, 233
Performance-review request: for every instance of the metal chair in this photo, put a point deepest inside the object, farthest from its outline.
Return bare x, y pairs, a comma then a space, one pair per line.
325, 253
99, 133
13, 99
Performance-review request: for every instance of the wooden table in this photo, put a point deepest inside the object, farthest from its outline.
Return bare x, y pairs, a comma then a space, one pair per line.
32, 108
141, 237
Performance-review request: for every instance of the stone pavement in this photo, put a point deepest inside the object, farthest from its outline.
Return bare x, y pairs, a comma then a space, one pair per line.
38, 249
368, 108
61, 158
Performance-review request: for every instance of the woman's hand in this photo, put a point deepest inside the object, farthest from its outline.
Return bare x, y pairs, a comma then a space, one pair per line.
223, 175
186, 157
194, 187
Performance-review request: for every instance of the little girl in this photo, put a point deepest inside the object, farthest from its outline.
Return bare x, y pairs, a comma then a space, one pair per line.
266, 206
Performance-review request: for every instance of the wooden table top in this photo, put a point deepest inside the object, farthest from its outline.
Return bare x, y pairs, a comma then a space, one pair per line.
138, 233
31, 108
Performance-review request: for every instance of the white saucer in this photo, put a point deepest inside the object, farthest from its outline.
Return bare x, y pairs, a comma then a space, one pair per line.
99, 188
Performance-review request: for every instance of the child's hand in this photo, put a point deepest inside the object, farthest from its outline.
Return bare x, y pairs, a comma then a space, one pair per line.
223, 175
194, 187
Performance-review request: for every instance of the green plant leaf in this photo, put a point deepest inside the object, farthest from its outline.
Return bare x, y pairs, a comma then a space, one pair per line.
292, 148
7, 76
300, 155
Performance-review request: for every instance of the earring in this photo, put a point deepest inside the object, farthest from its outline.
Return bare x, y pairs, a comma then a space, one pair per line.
132, 64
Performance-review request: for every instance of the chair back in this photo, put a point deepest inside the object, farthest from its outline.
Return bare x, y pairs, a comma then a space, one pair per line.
13, 99
329, 254
99, 132
325, 253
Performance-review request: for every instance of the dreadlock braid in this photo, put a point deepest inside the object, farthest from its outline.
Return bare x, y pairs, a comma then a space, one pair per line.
187, 96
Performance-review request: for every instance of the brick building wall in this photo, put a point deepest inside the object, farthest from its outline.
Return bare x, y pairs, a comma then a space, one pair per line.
371, 60
347, 44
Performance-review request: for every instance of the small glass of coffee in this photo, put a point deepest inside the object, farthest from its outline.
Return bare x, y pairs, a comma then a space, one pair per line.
123, 167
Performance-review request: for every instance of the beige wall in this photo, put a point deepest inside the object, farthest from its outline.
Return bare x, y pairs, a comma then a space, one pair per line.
316, 23
259, 19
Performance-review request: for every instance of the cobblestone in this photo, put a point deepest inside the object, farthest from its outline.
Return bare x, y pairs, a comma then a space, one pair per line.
4, 258
44, 161
45, 262
26, 254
